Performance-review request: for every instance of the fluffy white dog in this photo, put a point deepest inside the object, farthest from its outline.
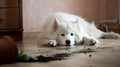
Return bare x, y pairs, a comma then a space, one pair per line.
68, 29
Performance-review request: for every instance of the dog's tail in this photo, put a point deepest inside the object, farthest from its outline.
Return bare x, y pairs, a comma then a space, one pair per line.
110, 35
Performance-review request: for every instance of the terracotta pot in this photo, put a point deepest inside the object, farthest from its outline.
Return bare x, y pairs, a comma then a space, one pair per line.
8, 50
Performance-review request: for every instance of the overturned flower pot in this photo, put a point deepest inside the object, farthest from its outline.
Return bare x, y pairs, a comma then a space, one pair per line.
8, 50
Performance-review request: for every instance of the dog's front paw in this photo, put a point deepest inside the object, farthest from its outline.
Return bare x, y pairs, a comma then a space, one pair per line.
52, 43
89, 42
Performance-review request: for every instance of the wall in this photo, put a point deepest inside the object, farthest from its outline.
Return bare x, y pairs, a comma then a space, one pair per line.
35, 11
112, 10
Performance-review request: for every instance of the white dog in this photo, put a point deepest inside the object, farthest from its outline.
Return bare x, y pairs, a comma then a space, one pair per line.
68, 29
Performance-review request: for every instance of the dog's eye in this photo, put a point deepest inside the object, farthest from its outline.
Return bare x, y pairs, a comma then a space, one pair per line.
72, 34
62, 34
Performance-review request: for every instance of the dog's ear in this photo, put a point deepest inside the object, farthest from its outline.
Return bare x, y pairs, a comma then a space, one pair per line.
76, 24
56, 23
76, 21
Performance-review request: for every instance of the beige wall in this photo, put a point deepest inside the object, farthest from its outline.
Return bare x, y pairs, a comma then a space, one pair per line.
35, 11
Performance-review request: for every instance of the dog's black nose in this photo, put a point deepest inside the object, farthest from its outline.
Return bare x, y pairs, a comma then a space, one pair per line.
68, 42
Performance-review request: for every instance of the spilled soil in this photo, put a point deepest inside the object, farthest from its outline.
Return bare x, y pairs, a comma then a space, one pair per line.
59, 56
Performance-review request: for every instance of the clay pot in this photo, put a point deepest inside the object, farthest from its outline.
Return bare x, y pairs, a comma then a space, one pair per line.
8, 50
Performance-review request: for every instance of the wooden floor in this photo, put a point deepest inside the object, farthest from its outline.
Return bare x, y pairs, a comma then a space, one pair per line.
106, 56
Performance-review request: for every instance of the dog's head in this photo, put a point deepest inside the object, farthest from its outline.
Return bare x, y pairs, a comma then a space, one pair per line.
65, 33
66, 37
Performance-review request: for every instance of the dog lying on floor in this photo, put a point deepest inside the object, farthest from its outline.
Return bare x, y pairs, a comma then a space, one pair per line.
67, 29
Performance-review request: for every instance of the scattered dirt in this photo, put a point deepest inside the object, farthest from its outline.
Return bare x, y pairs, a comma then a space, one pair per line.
54, 57
103, 47
85, 51
91, 66
90, 55
47, 59
62, 55
59, 56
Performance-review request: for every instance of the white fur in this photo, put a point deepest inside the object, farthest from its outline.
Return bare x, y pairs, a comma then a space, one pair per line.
67, 24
